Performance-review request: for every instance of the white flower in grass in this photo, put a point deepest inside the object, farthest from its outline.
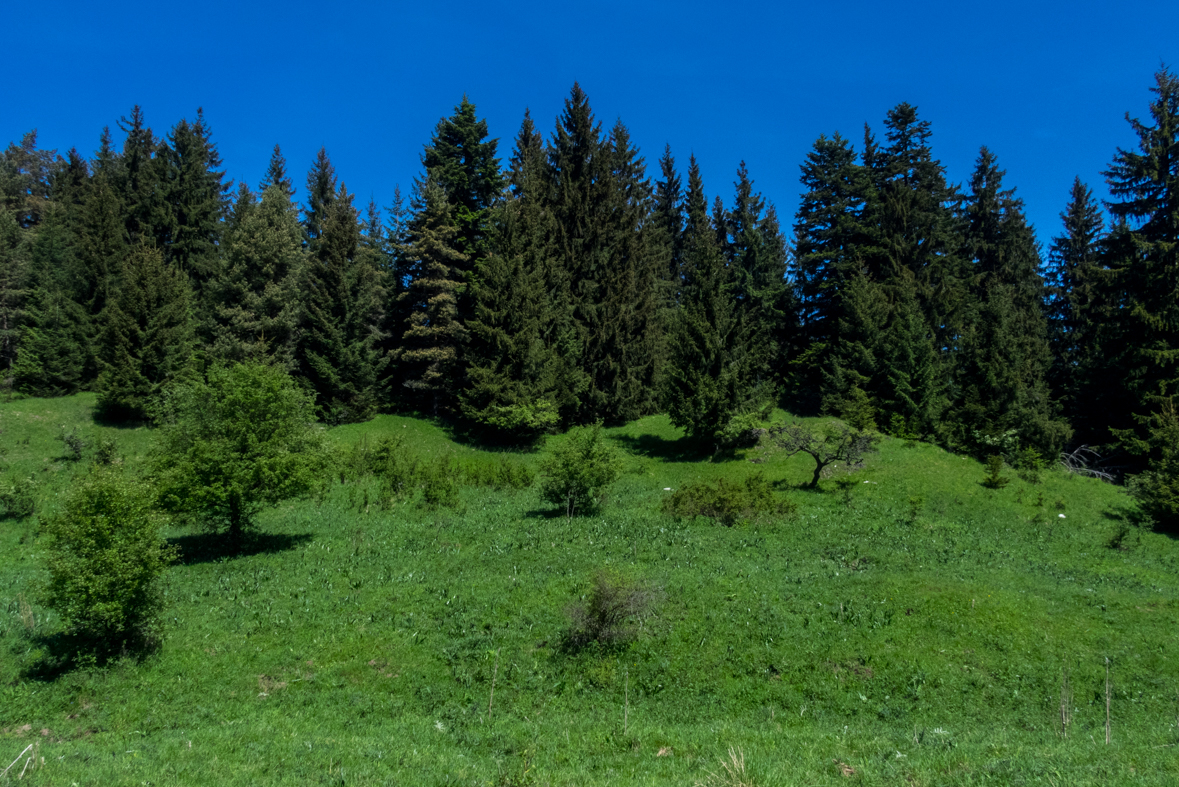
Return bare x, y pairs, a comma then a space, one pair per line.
1061, 516
438, 725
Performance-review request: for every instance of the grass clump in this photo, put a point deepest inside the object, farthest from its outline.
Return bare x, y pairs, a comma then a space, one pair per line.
727, 502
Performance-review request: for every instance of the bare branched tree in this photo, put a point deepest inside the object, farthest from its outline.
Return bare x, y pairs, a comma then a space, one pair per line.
833, 442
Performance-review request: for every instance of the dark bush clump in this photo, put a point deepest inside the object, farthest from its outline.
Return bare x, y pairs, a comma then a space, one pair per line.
727, 502
613, 611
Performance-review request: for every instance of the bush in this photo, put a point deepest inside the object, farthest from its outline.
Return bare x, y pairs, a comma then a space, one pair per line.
72, 443
612, 612
498, 473
17, 500
727, 502
579, 470
107, 452
105, 558
228, 446
440, 483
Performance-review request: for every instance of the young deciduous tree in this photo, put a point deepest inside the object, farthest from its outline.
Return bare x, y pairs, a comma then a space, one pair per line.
230, 445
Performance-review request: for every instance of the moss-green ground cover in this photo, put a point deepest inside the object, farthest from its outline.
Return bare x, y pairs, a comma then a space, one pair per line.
905, 626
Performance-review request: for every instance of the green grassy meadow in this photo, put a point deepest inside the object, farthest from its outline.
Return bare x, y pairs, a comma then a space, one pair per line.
905, 626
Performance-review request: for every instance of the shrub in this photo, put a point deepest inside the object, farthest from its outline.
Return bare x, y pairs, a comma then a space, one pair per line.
725, 501
612, 612
105, 558
1028, 464
107, 452
17, 500
440, 483
994, 479
579, 470
498, 473
72, 443
228, 446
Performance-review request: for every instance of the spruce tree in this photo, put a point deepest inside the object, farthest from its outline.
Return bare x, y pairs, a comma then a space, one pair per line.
54, 340
276, 175
1002, 377
321, 192
710, 378
342, 294
429, 353
136, 176
462, 161
827, 254
518, 385
14, 273
100, 252
1143, 255
193, 200
146, 340
255, 298
1072, 274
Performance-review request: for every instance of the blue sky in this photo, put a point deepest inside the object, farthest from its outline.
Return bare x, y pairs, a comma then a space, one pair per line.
1045, 85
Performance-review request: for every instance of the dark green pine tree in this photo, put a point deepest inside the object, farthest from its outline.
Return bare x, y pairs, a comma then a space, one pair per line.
14, 293
667, 221
828, 252
26, 175
321, 192
255, 298
147, 338
99, 253
276, 175
136, 177
578, 170
518, 386
1002, 376
709, 381
856, 372
1143, 257
756, 253
432, 339
342, 294
1073, 276
193, 200
623, 340
55, 336
462, 161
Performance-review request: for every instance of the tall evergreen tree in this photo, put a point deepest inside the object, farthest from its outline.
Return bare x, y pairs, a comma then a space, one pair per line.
146, 340
26, 175
462, 161
276, 175
1144, 253
136, 175
1002, 383
428, 357
321, 192
828, 252
193, 199
342, 297
1072, 276
255, 298
54, 340
14, 274
710, 377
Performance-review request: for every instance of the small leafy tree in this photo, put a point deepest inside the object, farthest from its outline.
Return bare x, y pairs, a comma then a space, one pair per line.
105, 557
242, 439
579, 470
833, 442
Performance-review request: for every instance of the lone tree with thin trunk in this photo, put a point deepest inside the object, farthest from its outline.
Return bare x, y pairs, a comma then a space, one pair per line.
228, 446
833, 442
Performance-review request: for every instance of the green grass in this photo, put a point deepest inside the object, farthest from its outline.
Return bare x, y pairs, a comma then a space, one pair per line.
906, 623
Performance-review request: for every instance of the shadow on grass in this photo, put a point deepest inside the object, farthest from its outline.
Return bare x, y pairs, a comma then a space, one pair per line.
198, 548
1133, 517
679, 450
63, 652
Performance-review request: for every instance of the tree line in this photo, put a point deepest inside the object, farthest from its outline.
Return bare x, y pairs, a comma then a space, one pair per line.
570, 286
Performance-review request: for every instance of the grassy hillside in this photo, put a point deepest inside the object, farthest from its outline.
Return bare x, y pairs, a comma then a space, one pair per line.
905, 625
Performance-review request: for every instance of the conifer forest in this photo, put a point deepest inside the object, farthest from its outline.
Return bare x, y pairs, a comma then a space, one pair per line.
568, 467
571, 281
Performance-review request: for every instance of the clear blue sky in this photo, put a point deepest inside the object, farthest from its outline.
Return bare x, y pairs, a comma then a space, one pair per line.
1045, 85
